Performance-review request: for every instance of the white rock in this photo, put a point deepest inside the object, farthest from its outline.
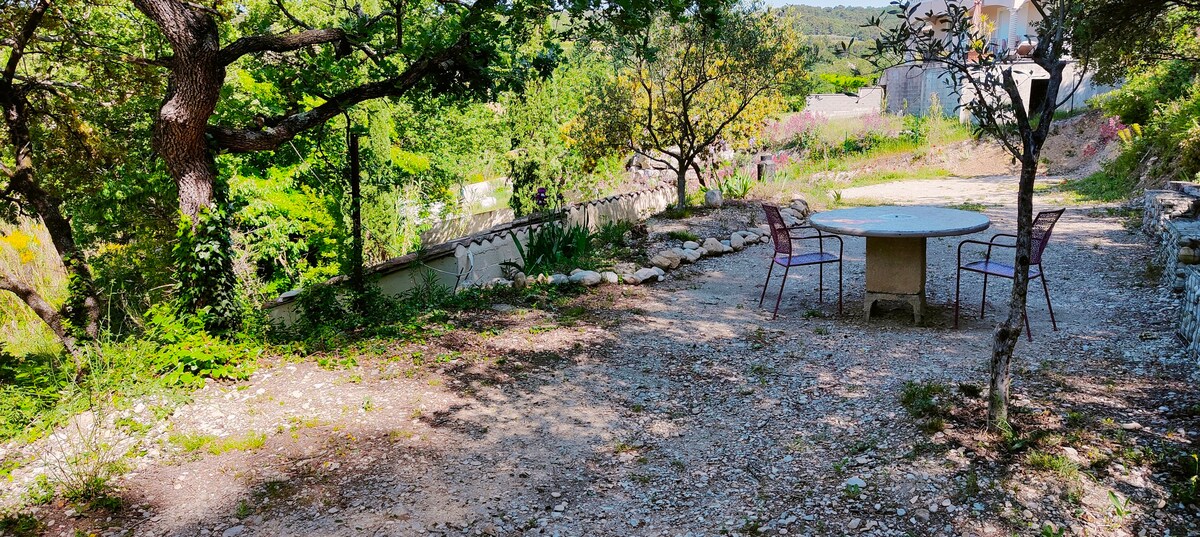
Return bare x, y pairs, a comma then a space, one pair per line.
1131, 426
576, 271
856, 482
690, 245
559, 279
586, 277
854, 524
661, 262
691, 256
713, 246
646, 274
712, 198
737, 242
631, 279
609, 277
234, 531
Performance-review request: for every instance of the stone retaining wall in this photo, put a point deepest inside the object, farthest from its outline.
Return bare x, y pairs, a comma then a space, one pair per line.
867, 101
478, 259
1171, 218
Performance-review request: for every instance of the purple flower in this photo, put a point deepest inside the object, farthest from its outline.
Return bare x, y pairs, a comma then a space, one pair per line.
541, 197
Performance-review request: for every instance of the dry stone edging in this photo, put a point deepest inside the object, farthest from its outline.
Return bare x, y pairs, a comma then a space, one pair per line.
660, 264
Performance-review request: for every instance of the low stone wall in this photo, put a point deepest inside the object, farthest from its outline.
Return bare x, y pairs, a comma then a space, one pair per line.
1171, 217
479, 259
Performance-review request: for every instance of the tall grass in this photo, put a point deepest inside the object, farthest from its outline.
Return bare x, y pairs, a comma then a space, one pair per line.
27, 254
828, 167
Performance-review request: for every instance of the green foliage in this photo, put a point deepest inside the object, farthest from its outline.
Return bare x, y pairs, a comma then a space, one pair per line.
737, 186
839, 83
1161, 103
204, 268
925, 399
185, 353
554, 246
683, 236
21, 525
1144, 91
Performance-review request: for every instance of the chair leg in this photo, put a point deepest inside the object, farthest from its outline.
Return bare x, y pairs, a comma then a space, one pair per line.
1046, 288
779, 299
770, 268
840, 287
821, 283
957, 292
983, 301
1028, 330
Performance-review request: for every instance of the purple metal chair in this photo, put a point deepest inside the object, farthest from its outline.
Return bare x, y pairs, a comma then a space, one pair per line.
1043, 225
785, 257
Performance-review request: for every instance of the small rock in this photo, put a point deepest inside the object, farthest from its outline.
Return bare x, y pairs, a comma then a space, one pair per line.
691, 245
712, 198
643, 275
609, 277
856, 482
737, 242
234, 531
854, 524
559, 279
1131, 426
586, 278
713, 246
660, 262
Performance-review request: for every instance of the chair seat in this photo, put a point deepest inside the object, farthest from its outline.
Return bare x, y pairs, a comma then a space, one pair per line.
805, 259
999, 269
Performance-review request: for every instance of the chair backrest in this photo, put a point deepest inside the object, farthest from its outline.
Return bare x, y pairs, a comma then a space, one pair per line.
779, 231
1043, 225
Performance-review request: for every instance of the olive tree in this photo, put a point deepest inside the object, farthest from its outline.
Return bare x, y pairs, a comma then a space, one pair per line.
686, 83
953, 40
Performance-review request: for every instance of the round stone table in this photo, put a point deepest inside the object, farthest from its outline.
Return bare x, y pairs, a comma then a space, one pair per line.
896, 238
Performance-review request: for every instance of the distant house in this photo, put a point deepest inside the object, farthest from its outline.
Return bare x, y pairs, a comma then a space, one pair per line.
1012, 29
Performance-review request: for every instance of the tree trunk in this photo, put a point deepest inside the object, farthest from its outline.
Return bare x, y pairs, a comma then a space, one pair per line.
681, 184
197, 74
194, 83
357, 285
1008, 332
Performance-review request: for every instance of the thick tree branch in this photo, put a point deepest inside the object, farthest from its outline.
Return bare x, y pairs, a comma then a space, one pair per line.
43, 309
284, 128
22, 39
278, 43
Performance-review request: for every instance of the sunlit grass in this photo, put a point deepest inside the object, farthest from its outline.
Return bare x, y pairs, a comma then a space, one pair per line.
21, 331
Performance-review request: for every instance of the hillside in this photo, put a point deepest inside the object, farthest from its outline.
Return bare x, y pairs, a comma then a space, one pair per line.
837, 21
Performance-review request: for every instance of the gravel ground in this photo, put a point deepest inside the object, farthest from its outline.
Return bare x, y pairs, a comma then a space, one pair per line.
682, 408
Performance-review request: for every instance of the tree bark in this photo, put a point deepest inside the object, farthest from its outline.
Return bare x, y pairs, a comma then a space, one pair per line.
1008, 332
43, 309
681, 184
197, 73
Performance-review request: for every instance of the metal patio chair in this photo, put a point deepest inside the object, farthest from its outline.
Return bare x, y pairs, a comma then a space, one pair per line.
785, 256
1043, 225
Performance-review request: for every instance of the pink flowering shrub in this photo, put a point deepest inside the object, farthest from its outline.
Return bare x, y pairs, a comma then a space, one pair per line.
1111, 129
798, 130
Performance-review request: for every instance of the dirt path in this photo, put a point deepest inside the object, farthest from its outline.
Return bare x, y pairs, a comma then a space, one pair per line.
683, 409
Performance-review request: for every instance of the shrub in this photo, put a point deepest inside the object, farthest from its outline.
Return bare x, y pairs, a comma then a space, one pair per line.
738, 186
186, 354
553, 247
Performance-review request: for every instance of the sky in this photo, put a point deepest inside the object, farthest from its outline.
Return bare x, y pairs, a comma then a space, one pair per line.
831, 3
